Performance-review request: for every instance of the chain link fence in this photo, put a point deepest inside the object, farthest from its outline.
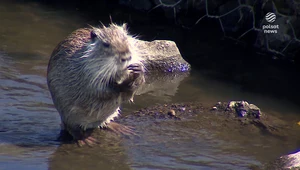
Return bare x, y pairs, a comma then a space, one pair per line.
241, 20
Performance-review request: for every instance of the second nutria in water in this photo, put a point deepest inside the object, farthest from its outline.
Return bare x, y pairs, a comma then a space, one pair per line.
89, 74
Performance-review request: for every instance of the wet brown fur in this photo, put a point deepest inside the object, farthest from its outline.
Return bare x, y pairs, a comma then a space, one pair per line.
87, 85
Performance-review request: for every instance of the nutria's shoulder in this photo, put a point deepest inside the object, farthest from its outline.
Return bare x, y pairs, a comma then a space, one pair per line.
73, 43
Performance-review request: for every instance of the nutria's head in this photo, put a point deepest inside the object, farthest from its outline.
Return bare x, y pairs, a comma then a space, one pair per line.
109, 53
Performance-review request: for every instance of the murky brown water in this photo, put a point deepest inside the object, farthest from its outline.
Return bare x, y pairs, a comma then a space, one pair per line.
29, 124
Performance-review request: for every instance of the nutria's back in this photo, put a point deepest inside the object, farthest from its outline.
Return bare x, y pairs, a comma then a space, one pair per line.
89, 71
73, 43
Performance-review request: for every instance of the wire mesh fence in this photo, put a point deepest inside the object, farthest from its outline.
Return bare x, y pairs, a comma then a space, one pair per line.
273, 24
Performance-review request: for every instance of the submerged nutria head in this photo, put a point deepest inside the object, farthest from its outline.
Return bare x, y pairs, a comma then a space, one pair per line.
108, 54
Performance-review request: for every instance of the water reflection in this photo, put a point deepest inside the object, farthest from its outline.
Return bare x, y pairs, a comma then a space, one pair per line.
29, 124
109, 154
30, 28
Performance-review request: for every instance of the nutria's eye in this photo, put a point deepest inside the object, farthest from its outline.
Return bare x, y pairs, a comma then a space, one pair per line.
106, 45
126, 59
93, 34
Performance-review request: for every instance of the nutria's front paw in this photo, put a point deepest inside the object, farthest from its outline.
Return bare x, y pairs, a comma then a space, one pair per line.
136, 70
135, 78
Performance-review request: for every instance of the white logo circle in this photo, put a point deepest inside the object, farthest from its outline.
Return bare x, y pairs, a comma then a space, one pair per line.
270, 17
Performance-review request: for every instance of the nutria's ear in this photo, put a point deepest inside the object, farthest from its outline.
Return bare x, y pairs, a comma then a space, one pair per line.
93, 34
125, 26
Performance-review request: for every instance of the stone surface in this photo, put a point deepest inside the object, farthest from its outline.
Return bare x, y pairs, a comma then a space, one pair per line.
162, 56
244, 109
286, 162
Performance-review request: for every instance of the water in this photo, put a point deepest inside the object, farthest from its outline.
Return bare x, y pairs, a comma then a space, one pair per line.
29, 123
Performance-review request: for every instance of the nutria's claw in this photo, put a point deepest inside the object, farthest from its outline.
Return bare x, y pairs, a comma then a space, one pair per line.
131, 100
90, 141
136, 68
121, 129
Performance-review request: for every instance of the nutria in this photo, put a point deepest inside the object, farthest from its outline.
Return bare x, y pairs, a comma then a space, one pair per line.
89, 74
